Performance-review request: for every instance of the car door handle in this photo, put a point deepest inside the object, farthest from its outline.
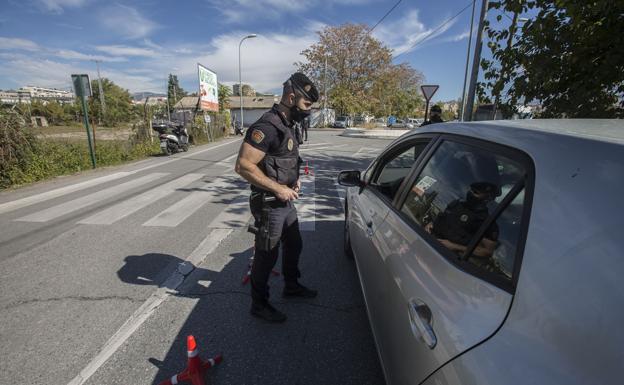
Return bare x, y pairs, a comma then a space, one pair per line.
420, 320
369, 224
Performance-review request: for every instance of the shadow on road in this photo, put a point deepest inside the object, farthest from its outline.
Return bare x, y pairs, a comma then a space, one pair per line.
326, 340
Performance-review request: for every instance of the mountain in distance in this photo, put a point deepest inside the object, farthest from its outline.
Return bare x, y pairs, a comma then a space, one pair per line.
143, 95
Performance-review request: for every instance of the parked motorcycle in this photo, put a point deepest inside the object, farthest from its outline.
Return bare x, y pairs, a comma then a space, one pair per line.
173, 136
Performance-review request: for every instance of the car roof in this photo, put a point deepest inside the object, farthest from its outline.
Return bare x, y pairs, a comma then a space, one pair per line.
604, 130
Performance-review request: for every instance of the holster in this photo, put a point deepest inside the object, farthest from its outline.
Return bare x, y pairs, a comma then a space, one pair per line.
261, 228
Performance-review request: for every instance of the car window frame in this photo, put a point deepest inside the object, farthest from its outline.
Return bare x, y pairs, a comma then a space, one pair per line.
393, 150
458, 261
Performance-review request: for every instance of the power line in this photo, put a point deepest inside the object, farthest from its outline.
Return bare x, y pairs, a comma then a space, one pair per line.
435, 30
384, 16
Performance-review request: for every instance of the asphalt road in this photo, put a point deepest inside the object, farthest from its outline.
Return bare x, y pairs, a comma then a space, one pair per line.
94, 287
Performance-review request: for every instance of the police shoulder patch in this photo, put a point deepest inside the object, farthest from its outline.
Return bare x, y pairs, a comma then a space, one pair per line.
257, 136
290, 144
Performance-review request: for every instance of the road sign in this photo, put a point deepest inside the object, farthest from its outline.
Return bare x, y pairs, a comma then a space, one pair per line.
428, 91
207, 118
82, 85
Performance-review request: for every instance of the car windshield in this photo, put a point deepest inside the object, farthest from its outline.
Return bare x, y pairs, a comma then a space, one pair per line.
341, 119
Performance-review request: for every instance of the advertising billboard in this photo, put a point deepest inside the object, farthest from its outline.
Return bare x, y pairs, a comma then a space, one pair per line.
208, 89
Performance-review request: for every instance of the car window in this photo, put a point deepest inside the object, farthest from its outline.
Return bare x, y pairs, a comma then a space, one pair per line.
457, 191
394, 168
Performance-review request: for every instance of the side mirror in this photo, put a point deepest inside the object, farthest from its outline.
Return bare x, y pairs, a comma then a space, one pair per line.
350, 178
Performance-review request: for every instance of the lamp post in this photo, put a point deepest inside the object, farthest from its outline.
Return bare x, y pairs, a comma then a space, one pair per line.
240, 83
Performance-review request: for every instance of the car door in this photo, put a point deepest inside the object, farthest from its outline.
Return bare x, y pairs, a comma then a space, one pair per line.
449, 258
370, 205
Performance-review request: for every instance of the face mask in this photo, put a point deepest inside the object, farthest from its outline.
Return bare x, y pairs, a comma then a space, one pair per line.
297, 114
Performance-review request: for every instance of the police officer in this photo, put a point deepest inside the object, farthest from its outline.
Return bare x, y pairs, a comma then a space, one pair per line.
269, 160
461, 220
435, 116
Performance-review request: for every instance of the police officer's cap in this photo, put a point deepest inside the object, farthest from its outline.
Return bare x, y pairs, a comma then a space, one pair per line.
486, 188
436, 108
304, 86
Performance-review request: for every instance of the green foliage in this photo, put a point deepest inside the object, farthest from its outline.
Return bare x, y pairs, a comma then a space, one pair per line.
47, 158
174, 91
569, 57
360, 75
17, 145
119, 107
224, 97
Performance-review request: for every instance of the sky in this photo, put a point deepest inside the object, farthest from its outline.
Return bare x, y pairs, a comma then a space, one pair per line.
42, 42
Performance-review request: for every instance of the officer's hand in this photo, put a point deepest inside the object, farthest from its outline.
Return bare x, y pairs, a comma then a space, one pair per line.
297, 187
286, 194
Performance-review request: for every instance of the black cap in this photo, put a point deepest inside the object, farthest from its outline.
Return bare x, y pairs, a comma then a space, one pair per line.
304, 86
436, 108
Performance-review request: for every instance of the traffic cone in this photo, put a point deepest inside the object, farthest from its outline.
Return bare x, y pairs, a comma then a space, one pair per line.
195, 367
306, 170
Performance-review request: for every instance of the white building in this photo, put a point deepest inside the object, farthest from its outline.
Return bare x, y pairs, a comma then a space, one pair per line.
49, 94
14, 97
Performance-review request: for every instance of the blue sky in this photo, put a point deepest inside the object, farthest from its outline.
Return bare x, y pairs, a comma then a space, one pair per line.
139, 42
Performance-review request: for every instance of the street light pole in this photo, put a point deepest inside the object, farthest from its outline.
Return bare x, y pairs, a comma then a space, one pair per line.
475, 64
101, 89
240, 83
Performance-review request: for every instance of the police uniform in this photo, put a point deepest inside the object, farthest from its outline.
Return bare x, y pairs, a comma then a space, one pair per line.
272, 135
461, 221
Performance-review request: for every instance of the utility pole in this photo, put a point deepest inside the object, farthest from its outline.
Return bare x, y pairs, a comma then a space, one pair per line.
475, 64
101, 89
325, 93
463, 95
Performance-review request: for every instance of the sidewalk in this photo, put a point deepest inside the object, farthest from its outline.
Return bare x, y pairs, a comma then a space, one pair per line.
356, 132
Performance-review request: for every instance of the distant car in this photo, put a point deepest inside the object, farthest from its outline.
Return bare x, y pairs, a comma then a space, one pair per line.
415, 122
341, 122
492, 252
400, 123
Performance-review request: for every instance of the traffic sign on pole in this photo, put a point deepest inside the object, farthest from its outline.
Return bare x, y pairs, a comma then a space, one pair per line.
82, 88
428, 91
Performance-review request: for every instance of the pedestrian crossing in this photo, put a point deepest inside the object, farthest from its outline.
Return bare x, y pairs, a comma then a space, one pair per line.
194, 191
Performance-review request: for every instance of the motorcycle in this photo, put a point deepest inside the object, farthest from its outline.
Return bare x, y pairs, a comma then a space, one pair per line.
177, 140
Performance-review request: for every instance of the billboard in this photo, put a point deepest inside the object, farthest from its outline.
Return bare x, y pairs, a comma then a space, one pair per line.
208, 89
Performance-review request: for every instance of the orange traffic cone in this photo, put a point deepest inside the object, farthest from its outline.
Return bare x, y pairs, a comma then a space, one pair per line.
306, 170
195, 367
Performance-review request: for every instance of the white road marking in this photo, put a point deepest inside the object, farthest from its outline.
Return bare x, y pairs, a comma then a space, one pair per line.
88, 200
181, 210
42, 197
207, 246
236, 214
306, 204
227, 162
134, 204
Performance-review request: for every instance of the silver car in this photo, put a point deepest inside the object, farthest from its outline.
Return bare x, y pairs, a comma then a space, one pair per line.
493, 252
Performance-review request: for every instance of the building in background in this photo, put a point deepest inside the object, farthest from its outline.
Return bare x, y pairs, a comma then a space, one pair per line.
12, 97
49, 94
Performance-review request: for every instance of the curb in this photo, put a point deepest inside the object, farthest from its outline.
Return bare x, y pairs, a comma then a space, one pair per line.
373, 134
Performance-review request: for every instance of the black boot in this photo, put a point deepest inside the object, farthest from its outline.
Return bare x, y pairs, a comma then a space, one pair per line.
297, 290
267, 312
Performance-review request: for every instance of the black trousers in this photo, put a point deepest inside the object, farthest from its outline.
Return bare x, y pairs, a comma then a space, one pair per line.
284, 231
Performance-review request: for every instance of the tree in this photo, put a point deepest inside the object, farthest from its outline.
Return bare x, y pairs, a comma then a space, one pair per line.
174, 91
118, 104
360, 75
224, 97
569, 57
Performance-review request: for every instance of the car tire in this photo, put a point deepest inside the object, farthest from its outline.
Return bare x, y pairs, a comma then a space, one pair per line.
348, 250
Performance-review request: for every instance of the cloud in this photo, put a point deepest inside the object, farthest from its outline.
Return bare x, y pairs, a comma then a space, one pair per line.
461, 36
58, 6
73, 55
408, 33
126, 21
239, 11
124, 50
8, 43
